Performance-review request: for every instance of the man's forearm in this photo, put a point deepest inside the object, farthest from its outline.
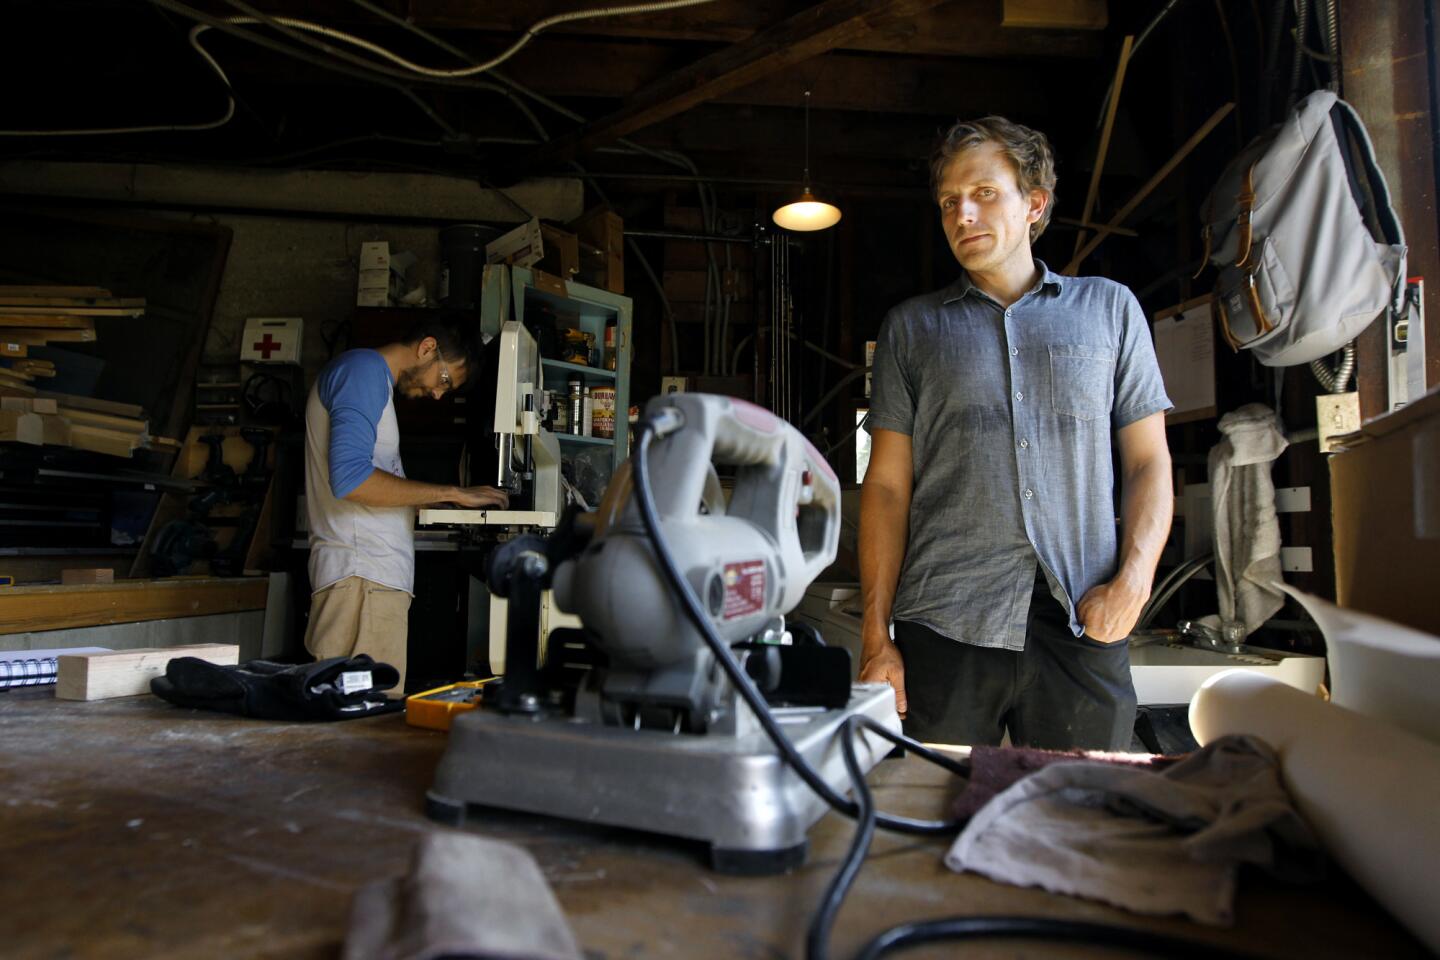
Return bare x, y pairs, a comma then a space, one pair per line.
382, 489
884, 532
1147, 503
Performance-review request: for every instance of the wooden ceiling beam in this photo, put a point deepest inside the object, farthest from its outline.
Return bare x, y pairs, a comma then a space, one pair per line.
794, 40
960, 28
838, 81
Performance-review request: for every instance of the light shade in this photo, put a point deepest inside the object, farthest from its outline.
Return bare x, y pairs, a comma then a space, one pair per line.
807, 213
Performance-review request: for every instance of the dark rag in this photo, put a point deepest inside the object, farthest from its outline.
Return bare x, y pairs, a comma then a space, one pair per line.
994, 769
340, 688
466, 898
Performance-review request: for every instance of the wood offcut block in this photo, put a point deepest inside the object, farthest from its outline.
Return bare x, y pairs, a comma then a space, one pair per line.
88, 575
127, 673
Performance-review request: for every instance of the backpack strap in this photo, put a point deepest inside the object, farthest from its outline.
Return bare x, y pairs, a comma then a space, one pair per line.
1245, 201
1222, 320
1262, 322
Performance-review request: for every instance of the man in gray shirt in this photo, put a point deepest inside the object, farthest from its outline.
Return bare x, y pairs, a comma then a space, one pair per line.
987, 527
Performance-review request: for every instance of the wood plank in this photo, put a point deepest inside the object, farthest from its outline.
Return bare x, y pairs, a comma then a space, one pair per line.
1175, 160
127, 673
24, 609
77, 575
24, 290
837, 81
794, 40
956, 28
78, 402
83, 436
1111, 107
117, 303
1055, 14
44, 321
28, 405
73, 311
39, 337
109, 421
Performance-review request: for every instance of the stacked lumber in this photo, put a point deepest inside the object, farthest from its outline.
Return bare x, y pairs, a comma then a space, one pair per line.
34, 316
61, 419
38, 315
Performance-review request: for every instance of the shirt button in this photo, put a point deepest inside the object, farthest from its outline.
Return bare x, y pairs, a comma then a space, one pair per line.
1014, 351
1008, 314
1029, 493
1024, 444
1019, 395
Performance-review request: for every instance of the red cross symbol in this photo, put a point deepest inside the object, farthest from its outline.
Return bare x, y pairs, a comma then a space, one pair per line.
266, 346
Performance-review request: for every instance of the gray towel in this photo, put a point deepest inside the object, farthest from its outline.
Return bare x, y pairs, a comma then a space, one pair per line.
464, 897
1154, 843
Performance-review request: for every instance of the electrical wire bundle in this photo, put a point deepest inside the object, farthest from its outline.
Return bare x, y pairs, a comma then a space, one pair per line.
862, 808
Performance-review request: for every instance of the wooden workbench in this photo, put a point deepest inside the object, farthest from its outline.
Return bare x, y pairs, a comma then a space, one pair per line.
131, 828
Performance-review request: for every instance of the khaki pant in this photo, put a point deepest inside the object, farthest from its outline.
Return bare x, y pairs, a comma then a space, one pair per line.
356, 615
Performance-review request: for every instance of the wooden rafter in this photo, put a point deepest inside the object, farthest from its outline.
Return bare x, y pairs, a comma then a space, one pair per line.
796, 39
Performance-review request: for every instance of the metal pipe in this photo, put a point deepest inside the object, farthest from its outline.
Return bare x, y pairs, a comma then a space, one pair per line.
699, 237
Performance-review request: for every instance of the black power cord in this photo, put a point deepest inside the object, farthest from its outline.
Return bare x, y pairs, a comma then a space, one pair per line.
862, 808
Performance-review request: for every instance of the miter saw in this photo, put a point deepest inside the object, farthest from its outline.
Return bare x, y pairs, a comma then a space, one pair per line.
634, 721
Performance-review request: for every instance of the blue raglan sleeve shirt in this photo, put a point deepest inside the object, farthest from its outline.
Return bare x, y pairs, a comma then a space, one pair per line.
355, 390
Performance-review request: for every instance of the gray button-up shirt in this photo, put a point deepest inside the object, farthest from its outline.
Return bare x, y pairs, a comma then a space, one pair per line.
1010, 414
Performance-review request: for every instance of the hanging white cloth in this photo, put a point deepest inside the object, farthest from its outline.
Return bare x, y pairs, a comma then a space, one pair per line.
1247, 530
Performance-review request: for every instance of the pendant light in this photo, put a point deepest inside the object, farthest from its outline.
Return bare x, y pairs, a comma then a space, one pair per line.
807, 212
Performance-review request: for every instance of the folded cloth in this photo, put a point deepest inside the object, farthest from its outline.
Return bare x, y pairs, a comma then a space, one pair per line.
1155, 843
994, 769
464, 897
340, 688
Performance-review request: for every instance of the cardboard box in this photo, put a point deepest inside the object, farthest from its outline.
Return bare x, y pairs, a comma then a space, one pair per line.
374, 280
562, 252
601, 239
372, 298
375, 256
521, 247
1385, 503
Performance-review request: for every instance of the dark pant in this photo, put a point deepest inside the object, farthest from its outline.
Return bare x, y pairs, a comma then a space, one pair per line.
1062, 692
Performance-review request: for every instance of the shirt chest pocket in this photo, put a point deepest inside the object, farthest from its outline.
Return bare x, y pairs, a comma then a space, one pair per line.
1082, 381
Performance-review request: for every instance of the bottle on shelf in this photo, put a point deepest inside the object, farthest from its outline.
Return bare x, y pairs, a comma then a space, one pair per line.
576, 417
611, 360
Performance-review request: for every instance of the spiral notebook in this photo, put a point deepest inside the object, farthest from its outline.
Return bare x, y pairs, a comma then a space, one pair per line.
33, 668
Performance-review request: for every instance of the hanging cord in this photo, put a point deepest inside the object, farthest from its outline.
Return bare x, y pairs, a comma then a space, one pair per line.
289, 24
1297, 60
1331, 10
1336, 380
158, 128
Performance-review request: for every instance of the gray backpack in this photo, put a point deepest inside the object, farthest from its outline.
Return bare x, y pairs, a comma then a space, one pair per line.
1300, 225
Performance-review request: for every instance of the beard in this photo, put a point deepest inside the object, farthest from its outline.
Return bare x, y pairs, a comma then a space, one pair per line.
409, 385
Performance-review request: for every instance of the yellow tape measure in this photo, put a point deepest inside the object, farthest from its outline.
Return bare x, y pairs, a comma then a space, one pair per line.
434, 709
